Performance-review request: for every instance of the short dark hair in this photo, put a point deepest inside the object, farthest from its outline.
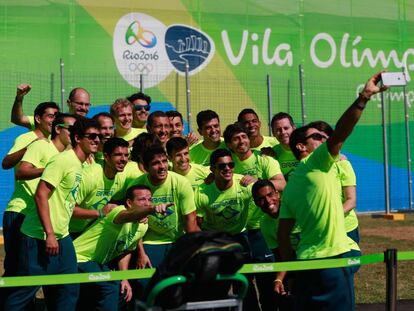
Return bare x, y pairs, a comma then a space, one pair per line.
150, 154
231, 130
219, 153
205, 116
41, 108
60, 119
297, 136
130, 190
244, 112
175, 114
261, 183
282, 115
155, 114
139, 95
103, 114
80, 127
141, 143
73, 92
322, 126
112, 143
175, 144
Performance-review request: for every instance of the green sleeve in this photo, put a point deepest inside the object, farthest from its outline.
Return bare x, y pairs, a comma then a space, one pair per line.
346, 173
186, 197
54, 172
35, 153
271, 167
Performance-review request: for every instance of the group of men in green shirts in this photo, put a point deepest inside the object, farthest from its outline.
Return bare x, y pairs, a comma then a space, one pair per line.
110, 205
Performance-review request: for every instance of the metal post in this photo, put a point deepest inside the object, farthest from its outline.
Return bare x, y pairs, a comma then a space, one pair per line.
62, 84
177, 85
390, 258
188, 99
288, 96
269, 102
408, 145
52, 87
141, 83
302, 94
385, 152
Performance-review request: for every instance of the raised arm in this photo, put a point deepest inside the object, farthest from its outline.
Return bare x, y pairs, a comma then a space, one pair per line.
17, 115
349, 119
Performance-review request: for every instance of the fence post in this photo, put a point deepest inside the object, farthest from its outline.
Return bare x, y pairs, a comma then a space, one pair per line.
188, 98
302, 94
141, 83
408, 146
62, 84
390, 257
269, 102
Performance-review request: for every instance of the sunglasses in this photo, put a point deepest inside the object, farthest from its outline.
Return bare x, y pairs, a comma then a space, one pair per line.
64, 125
93, 136
316, 136
222, 166
140, 107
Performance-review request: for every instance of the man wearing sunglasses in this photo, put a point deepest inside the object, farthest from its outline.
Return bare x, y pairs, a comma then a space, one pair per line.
78, 103
253, 166
312, 200
45, 240
27, 175
223, 205
142, 104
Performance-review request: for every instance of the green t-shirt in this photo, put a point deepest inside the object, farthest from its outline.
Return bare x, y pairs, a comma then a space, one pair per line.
22, 141
347, 177
269, 227
134, 132
201, 155
224, 210
260, 167
163, 229
286, 159
268, 141
38, 154
197, 174
64, 173
105, 240
312, 198
95, 191
131, 172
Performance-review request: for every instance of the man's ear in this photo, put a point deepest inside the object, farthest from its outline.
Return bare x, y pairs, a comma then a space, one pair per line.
37, 119
128, 203
301, 147
77, 139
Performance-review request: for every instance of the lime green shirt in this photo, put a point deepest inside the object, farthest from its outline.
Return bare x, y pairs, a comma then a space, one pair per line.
131, 172
106, 240
22, 141
197, 174
286, 159
134, 132
163, 229
64, 173
312, 198
95, 191
224, 210
260, 167
347, 177
38, 154
269, 226
268, 141
201, 155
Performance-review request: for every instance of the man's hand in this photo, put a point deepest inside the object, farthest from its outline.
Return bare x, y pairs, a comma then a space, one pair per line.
143, 261
126, 290
191, 138
278, 287
163, 208
371, 86
108, 208
22, 90
144, 220
247, 180
209, 179
52, 245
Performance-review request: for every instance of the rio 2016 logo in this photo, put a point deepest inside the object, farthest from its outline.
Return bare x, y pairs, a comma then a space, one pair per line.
137, 33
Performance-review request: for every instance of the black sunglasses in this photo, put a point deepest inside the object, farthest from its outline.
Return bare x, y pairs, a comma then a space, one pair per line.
93, 136
140, 107
222, 166
316, 136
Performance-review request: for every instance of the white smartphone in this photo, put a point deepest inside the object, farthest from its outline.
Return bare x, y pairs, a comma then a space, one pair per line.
393, 79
